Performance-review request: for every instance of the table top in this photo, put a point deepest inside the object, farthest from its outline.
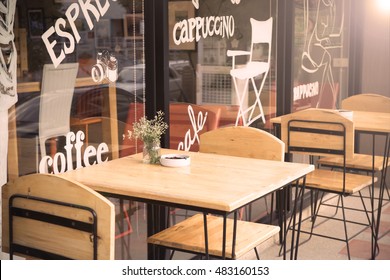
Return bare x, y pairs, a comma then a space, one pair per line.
217, 182
364, 121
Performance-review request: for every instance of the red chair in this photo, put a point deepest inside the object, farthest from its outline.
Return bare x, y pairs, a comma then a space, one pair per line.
132, 146
129, 147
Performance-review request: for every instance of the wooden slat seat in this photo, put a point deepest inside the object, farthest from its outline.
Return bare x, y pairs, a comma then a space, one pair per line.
332, 181
360, 162
188, 235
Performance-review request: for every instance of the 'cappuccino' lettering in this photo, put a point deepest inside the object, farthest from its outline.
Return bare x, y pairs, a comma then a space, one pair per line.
66, 162
306, 91
191, 29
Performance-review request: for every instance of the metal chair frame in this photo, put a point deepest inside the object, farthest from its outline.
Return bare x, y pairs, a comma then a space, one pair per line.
19, 211
340, 152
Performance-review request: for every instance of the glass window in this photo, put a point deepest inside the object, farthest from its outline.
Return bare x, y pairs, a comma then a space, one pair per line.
225, 55
105, 39
78, 67
320, 55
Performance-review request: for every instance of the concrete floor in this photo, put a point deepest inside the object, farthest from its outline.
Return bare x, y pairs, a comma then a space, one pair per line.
318, 248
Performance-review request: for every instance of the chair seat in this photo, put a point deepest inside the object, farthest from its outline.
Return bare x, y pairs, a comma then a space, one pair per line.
330, 180
252, 69
359, 162
188, 235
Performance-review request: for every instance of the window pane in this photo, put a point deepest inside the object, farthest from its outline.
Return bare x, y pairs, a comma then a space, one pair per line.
321, 48
80, 86
225, 64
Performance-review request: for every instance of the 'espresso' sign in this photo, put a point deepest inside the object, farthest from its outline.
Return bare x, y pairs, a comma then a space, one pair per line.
82, 7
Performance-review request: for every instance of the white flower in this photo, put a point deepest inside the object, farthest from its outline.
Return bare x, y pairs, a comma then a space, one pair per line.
149, 131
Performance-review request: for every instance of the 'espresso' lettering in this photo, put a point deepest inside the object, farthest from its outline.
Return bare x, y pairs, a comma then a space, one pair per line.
72, 14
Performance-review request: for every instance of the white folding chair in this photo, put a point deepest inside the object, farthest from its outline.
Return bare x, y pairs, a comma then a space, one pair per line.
261, 34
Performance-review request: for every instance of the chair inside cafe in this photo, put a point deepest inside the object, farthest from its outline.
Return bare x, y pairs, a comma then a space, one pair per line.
317, 133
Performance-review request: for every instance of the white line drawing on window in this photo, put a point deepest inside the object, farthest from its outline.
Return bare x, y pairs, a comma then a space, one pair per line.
8, 94
261, 34
106, 67
321, 37
8, 55
195, 3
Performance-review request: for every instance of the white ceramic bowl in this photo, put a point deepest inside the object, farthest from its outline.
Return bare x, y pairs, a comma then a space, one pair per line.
175, 160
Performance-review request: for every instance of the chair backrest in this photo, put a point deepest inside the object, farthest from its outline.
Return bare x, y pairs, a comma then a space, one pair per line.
56, 99
90, 103
49, 217
242, 141
228, 113
261, 33
183, 122
368, 102
318, 132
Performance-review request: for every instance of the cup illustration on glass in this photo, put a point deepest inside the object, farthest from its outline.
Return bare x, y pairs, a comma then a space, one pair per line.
106, 67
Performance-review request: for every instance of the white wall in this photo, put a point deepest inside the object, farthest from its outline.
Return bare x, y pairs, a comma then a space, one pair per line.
376, 49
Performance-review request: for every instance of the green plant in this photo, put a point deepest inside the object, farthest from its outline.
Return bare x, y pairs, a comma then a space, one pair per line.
150, 132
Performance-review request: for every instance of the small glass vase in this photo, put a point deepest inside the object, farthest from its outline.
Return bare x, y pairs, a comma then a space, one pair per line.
151, 152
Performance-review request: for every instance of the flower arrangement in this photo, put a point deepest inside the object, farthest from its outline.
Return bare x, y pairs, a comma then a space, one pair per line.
150, 132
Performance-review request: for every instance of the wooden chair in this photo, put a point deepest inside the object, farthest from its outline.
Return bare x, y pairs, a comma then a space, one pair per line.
320, 132
188, 235
88, 111
242, 142
48, 217
367, 102
231, 140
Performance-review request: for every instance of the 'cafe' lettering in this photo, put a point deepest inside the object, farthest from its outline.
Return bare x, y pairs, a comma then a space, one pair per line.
72, 14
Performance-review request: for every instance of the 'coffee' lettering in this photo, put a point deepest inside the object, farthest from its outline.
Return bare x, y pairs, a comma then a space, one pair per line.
65, 162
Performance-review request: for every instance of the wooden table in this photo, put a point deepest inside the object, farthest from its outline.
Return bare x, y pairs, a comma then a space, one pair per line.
374, 124
211, 184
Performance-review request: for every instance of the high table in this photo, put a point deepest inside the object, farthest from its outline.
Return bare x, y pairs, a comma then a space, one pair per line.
374, 124
215, 184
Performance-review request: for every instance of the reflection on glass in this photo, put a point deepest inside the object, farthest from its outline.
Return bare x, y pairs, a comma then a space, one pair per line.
98, 112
